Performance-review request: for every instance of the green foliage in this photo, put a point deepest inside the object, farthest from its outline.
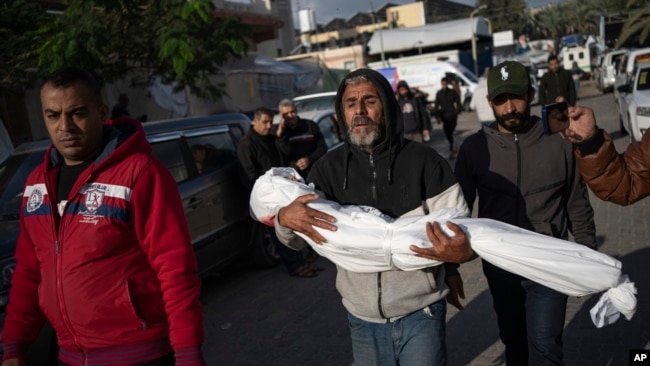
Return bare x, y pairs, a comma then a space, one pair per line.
178, 40
19, 25
637, 24
505, 14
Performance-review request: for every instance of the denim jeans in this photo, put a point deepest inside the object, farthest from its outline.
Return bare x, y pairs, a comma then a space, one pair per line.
414, 340
530, 317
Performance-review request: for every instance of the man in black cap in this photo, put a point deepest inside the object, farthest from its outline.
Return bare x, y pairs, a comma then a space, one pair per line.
528, 179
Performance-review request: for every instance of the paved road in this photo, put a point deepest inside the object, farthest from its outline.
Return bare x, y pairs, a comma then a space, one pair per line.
265, 317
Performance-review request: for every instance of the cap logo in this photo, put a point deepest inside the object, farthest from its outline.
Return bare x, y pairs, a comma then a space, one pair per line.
504, 73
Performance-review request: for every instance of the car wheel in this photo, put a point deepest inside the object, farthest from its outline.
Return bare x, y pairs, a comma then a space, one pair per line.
264, 254
621, 126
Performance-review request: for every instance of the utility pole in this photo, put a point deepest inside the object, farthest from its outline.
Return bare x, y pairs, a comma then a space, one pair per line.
471, 21
381, 37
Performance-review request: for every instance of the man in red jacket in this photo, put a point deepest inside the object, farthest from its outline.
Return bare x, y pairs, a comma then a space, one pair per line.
104, 253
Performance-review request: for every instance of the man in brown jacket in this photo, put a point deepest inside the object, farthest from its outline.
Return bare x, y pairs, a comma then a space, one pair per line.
622, 179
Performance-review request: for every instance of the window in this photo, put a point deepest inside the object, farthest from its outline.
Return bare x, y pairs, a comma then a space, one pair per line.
169, 153
212, 151
329, 130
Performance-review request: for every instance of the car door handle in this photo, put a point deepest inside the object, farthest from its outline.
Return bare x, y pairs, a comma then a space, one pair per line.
194, 203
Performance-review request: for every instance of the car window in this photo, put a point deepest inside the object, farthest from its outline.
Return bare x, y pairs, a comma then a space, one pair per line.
328, 129
643, 83
170, 154
13, 174
212, 151
316, 103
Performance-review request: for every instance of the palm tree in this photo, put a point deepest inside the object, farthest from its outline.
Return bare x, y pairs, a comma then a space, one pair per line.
637, 23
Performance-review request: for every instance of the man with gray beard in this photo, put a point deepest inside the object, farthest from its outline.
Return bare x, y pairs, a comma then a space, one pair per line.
396, 317
528, 179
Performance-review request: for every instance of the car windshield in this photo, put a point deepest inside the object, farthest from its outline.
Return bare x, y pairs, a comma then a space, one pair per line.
13, 174
643, 83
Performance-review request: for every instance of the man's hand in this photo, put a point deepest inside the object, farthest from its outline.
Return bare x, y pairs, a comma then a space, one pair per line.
301, 218
426, 135
456, 290
280, 130
452, 249
582, 124
14, 362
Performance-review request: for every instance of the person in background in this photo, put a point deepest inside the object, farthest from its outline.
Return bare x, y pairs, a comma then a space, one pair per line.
480, 102
396, 317
104, 252
576, 74
525, 178
417, 122
258, 152
448, 108
119, 109
556, 82
620, 178
299, 140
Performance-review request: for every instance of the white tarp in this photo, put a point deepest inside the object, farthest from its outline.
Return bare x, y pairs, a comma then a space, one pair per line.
429, 35
367, 241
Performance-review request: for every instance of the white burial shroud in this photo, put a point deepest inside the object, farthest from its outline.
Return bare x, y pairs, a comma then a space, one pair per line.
368, 241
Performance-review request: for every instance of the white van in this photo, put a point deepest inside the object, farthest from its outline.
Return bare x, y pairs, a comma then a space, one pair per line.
625, 68
426, 77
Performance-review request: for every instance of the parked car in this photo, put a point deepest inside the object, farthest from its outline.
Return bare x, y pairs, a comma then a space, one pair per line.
634, 104
307, 105
214, 200
326, 121
605, 72
315, 102
626, 67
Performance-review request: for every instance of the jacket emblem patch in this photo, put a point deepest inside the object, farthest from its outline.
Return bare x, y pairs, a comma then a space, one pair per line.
94, 200
35, 200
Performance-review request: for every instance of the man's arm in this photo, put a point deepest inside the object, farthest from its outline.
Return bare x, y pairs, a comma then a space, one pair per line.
579, 211
299, 217
247, 161
622, 179
162, 231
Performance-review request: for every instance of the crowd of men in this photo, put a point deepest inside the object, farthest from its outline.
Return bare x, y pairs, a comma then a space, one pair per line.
396, 317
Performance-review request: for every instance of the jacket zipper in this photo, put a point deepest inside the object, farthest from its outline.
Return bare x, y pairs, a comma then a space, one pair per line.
518, 152
373, 187
373, 183
59, 265
379, 306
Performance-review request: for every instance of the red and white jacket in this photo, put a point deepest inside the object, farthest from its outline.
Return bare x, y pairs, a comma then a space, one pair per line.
116, 274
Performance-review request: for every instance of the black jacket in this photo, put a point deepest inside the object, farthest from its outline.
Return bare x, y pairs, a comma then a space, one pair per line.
447, 103
527, 179
419, 110
557, 84
257, 154
305, 140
